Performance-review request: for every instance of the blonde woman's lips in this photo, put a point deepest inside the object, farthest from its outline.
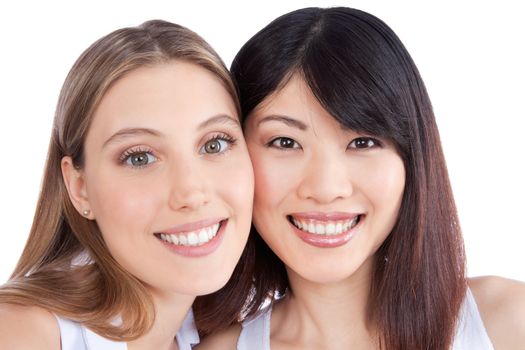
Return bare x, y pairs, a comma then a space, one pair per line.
325, 230
194, 239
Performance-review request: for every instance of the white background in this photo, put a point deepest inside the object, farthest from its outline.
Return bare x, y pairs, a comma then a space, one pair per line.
470, 53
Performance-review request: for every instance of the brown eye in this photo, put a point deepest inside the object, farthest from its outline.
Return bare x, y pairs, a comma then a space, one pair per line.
213, 146
363, 143
284, 142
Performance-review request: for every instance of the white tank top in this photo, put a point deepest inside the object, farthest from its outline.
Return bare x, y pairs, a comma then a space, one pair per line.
74, 336
470, 334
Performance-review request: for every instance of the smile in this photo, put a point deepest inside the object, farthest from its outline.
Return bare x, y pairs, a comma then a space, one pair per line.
325, 230
191, 238
194, 239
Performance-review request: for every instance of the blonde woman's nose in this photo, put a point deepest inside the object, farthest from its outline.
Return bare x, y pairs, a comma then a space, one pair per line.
187, 187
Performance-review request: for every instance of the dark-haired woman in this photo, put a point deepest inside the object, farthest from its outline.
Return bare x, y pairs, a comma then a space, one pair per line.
356, 237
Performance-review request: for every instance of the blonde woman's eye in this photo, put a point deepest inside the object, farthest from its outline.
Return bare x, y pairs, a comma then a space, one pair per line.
364, 143
217, 145
284, 143
140, 159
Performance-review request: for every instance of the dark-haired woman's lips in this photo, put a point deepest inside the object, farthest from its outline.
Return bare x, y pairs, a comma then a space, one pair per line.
325, 230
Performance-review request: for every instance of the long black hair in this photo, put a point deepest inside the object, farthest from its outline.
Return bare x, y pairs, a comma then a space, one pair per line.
361, 73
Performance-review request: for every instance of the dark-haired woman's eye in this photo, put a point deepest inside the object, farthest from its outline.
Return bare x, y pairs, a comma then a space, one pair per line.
364, 143
284, 143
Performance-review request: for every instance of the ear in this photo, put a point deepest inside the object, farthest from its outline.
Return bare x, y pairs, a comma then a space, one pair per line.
74, 179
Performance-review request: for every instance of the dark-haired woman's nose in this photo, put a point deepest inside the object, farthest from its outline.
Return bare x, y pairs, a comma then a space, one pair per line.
187, 187
325, 180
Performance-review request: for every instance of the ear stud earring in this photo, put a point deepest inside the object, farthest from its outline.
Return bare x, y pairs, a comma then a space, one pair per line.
86, 212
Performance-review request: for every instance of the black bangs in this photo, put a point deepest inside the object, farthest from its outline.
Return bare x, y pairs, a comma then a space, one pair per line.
352, 67
358, 83
271, 56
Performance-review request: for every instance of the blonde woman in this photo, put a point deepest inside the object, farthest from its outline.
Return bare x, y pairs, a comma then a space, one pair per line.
145, 203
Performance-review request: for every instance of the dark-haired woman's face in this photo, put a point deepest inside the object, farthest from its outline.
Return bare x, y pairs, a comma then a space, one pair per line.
326, 197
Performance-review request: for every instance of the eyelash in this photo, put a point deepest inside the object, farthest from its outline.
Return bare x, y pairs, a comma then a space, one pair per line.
134, 151
146, 150
232, 141
270, 144
376, 143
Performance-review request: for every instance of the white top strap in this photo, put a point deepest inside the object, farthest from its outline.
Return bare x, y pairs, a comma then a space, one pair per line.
188, 335
71, 335
471, 332
96, 342
75, 336
255, 333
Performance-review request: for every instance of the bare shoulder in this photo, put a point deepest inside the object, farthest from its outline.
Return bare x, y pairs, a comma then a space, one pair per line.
501, 303
25, 327
223, 340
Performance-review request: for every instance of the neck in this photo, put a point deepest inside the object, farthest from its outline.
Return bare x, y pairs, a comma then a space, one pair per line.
170, 311
331, 315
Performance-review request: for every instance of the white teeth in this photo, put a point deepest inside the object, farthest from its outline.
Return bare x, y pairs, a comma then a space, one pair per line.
325, 227
311, 228
212, 231
193, 238
203, 236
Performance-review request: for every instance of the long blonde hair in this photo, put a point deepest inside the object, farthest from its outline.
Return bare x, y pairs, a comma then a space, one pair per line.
97, 291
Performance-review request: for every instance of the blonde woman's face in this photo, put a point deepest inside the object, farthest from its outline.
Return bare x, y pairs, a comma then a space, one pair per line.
326, 197
168, 178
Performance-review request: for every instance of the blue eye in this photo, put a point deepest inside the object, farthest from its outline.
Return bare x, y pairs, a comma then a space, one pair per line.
140, 159
137, 157
218, 144
284, 143
364, 143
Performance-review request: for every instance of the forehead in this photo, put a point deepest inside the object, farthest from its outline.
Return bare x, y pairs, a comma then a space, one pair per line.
294, 99
160, 96
293, 93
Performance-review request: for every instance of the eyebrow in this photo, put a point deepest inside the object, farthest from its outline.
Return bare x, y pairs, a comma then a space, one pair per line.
127, 132
283, 119
219, 119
